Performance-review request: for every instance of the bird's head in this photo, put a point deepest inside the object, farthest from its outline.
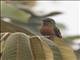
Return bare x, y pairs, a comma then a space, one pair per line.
48, 21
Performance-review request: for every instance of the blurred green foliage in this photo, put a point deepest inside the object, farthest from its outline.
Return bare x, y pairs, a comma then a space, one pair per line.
10, 11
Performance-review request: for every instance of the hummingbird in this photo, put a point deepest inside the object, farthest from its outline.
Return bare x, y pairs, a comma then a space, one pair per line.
49, 28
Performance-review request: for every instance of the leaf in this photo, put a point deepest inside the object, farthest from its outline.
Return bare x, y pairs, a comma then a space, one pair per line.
72, 37
40, 49
3, 40
66, 51
17, 47
11, 27
55, 50
9, 10
52, 14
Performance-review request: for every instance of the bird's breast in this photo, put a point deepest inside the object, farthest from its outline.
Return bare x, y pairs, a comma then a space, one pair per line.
46, 29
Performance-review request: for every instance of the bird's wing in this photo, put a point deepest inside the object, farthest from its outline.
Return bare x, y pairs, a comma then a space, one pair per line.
58, 33
52, 14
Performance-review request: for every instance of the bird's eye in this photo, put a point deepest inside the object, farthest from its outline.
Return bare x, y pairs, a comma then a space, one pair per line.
49, 23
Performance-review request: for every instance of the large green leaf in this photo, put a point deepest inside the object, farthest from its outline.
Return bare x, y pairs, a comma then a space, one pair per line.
40, 49
55, 49
11, 27
17, 47
66, 51
12, 12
